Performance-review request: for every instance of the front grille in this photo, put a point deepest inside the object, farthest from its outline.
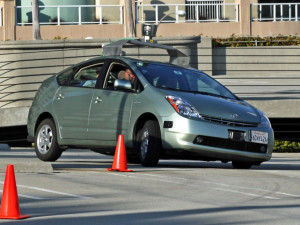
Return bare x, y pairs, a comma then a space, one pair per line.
228, 122
231, 144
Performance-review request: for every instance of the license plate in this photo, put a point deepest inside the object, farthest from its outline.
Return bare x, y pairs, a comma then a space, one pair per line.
259, 137
236, 135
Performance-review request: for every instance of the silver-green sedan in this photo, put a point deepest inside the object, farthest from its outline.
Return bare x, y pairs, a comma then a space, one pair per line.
163, 111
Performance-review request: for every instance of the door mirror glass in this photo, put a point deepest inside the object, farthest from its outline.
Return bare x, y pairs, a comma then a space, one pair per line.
122, 84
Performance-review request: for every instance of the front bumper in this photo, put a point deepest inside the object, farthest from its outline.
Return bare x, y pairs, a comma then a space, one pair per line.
30, 138
219, 147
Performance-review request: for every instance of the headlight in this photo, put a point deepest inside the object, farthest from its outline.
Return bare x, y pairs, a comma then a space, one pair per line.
182, 107
265, 122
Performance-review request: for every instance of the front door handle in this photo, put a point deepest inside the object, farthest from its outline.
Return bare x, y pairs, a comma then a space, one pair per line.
60, 96
98, 99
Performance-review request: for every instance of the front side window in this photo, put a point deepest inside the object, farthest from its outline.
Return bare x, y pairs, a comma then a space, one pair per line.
118, 71
87, 76
181, 79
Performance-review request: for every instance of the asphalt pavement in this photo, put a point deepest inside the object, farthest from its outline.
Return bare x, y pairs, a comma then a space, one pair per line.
77, 189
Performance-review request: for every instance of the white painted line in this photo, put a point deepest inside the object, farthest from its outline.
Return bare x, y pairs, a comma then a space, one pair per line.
31, 197
28, 196
208, 182
282, 193
192, 185
231, 186
246, 193
54, 192
145, 178
255, 189
50, 191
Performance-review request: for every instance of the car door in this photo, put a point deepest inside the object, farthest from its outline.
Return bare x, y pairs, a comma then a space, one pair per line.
110, 108
72, 102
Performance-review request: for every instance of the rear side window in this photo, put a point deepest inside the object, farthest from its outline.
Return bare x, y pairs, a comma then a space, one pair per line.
87, 76
62, 79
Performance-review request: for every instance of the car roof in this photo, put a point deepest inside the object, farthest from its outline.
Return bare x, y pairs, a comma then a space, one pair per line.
127, 60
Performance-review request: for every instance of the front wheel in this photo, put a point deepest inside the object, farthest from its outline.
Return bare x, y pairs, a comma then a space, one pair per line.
150, 143
46, 146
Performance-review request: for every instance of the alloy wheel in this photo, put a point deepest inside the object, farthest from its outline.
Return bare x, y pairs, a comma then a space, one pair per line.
144, 144
45, 138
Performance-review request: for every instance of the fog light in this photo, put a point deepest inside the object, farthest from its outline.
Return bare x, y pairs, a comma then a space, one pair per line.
168, 124
263, 149
198, 140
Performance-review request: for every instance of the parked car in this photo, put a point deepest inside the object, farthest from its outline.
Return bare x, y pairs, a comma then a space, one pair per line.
166, 111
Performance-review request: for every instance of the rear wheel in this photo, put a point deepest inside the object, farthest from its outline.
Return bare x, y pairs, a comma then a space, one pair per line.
46, 146
150, 143
241, 165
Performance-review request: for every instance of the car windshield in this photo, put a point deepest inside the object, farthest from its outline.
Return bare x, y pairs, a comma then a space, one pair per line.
180, 79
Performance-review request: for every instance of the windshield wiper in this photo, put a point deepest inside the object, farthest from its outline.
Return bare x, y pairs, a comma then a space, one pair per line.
210, 94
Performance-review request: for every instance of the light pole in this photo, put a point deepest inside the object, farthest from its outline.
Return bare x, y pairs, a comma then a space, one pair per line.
129, 19
149, 30
35, 20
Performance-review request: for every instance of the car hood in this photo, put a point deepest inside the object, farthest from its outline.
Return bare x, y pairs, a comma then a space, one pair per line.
218, 107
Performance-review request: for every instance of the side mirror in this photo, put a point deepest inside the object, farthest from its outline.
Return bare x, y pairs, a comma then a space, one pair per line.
122, 84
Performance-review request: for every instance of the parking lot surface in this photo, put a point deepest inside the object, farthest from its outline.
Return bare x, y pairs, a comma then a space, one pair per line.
77, 189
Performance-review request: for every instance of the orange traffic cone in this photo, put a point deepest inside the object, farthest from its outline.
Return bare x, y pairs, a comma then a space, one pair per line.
120, 161
10, 202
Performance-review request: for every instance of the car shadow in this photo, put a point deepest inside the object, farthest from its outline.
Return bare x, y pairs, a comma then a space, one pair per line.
99, 165
87, 160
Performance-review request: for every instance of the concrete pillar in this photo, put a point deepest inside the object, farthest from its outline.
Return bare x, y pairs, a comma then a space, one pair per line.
245, 16
245, 23
8, 10
129, 29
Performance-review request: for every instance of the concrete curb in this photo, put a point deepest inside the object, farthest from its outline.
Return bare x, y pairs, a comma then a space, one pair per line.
24, 165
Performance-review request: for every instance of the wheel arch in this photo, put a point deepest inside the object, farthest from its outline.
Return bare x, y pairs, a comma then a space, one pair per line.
45, 115
141, 121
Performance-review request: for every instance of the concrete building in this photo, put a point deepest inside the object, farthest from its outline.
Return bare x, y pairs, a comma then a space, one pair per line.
77, 19
267, 77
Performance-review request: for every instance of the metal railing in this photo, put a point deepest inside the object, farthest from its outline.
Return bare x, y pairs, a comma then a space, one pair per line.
257, 42
70, 14
275, 12
206, 9
196, 12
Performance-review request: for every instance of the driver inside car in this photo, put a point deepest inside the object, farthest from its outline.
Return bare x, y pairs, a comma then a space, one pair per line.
127, 75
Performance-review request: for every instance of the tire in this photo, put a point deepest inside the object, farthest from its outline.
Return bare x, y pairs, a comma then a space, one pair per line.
241, 165
149, 143
46, 145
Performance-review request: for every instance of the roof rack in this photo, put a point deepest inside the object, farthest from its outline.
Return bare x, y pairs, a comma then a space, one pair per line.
176, 57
